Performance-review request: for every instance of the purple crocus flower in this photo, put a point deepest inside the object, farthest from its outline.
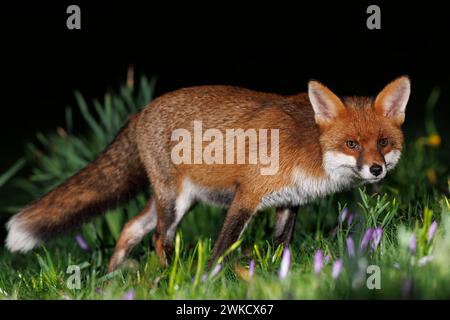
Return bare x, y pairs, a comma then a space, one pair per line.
213, 273
407, 288
251, 268
344, 214
285, 263
337, 268
129, 295
366, 239
425, 260
350, 247
432, 230
216, 270
412, 245
376, 237
350, 219
318, 261
81, 242
327, 258
334, 232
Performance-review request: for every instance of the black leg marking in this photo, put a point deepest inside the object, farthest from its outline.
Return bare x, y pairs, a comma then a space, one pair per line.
234, 225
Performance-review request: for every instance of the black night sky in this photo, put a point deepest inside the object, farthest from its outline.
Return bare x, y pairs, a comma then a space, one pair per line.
260, 46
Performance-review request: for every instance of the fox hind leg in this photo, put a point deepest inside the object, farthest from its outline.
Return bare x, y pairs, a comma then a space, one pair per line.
132, 233
170, 213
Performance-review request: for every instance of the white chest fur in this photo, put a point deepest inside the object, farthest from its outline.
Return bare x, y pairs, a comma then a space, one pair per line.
339, 175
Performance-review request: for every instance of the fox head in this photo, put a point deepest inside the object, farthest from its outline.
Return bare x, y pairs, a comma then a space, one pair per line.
360, 137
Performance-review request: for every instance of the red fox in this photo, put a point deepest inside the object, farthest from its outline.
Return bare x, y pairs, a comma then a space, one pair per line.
325, 145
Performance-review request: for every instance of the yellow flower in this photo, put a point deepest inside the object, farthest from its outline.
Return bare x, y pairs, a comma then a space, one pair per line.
432, 176
130, 76
434, 140
448, 182
242, 273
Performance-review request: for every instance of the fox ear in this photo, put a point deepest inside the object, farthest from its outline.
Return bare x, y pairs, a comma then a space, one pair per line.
325, 103
391, 101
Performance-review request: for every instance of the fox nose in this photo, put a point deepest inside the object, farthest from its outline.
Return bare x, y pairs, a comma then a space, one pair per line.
376, 170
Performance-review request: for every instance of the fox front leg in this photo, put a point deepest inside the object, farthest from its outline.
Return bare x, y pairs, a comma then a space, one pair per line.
285, 225
236, 220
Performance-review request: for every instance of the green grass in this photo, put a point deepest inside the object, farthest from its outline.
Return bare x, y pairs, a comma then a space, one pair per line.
403, 205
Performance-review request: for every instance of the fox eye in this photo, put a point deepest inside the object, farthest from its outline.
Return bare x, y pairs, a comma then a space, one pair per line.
383, 142
352, 144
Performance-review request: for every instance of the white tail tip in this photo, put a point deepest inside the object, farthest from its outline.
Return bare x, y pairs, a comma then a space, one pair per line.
19, 238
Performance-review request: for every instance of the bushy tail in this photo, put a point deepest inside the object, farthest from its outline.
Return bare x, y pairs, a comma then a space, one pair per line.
115, 176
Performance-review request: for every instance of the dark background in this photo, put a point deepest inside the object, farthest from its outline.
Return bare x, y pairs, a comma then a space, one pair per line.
272, 47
